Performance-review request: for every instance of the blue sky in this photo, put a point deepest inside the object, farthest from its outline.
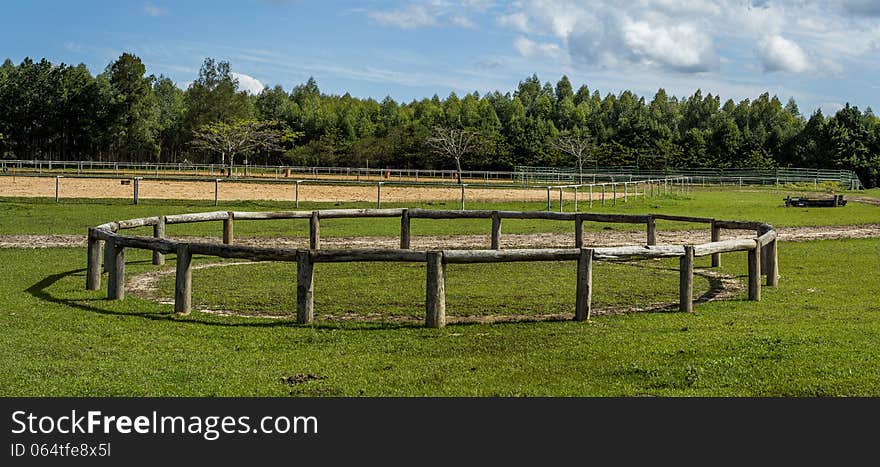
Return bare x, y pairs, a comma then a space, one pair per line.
821, 53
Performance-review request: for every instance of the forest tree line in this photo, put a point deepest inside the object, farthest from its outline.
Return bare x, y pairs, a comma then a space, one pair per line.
63, 112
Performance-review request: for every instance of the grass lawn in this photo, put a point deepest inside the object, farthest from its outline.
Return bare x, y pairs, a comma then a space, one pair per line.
377, 289
814, 335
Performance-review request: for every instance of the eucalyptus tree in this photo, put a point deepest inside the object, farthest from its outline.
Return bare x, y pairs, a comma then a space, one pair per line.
454, 143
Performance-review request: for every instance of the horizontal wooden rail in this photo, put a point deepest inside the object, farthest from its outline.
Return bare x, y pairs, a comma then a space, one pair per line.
245, 215
243, 252
500, 256
147, 243
134, 223
355, 213
699, 220
196, 217
417, 213
724, 246
737, 225
631, 252
367, 255
615, 218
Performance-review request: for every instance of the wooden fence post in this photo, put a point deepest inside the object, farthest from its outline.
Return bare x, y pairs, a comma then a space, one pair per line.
603, 194
652, 230
379, 195
578, 232
591, 196
404, 230
584, 299
305, 287
772, 264
549, 208
625, 192
496, 231
228, 234
116, 273
686, 280
462, 197
575, 198
435, 291
296, 199
764, 249
93, 267
183, 281
108, 255
755, 273
560, 199
216, 191
159, 232
614, 194
716, 236
315, 231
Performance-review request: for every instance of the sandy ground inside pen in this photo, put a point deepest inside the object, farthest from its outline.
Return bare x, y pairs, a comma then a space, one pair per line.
234, 191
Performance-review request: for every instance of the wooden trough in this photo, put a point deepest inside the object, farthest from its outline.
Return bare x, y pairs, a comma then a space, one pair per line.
801, 202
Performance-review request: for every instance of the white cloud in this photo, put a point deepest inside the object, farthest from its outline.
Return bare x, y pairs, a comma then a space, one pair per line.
678, 46
464, 22
780, 54
431, 13
609, 34
248, 83
830, 108
152, 10
529, 48
700, 35
411, 17
517, 21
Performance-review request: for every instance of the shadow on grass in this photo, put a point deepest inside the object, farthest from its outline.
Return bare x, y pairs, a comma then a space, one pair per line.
40, 291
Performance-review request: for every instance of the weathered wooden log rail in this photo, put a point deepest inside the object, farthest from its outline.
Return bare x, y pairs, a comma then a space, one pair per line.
762, 251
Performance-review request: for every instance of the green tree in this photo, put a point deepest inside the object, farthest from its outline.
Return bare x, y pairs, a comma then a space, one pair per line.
171, 136
239, 138
214, 97
133, 110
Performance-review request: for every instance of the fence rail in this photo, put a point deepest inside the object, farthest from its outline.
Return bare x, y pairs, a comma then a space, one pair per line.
520, 175
762, 252
703, 176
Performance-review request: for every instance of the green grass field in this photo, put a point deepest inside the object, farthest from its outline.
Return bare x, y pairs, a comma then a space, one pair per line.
814, 335
377, 289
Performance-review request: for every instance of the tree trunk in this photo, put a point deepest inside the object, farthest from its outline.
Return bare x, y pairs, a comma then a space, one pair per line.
580, 170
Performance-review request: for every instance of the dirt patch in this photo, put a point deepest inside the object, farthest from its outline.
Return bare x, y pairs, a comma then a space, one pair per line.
301, 378
533, 240
864, 200
43, 241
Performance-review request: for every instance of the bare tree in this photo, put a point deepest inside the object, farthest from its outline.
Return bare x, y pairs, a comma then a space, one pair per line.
580, 146
454, 143
240, 137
